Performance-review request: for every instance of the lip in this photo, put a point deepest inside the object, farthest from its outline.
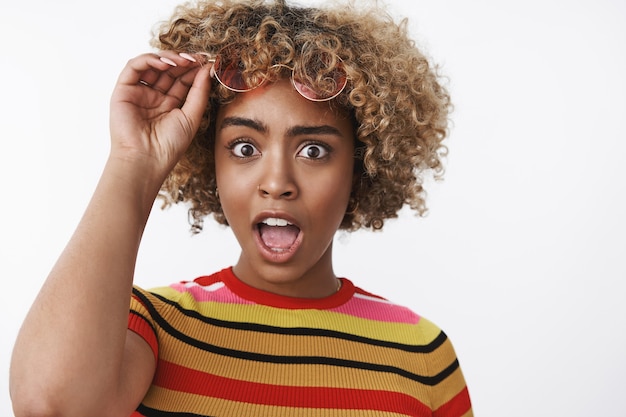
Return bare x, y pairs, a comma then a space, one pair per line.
268, 253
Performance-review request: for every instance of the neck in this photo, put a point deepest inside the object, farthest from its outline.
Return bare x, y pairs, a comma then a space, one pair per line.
318, 281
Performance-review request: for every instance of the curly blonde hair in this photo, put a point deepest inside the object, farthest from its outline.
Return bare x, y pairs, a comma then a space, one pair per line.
394, 96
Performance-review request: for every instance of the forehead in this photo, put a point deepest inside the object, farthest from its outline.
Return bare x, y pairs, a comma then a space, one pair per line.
278, 104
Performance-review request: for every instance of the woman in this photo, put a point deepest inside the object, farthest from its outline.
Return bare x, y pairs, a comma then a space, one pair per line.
287, 124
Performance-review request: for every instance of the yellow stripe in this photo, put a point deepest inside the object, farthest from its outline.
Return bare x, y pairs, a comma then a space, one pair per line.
448, 389
282, 345
421, 334
294, 374
431, 364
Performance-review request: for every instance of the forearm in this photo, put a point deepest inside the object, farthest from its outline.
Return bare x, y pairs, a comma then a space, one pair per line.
72, 356
72, 341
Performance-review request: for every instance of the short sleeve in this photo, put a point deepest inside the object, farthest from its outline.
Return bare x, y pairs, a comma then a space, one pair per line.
450, 397
141, 322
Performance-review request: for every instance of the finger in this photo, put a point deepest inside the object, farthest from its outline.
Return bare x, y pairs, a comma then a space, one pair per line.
149, 78
198, 97
181, 86
164, 82
172, 84
179, 72
143, 66
177, 60
176, 89
203, 58
149, 68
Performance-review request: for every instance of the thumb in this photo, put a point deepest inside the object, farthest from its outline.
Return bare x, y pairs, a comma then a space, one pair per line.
198, 97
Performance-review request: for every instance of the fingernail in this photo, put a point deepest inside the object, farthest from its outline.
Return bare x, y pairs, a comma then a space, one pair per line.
168, 61
187, 56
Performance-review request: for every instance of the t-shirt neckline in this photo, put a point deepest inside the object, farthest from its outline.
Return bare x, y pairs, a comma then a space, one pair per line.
259, 296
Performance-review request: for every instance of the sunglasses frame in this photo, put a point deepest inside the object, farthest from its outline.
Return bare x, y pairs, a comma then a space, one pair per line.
215, 60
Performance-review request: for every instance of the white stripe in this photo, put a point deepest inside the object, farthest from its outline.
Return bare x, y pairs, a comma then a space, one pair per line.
369, 298
208, 288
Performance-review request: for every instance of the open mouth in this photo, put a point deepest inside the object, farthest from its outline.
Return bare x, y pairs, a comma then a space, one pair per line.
277, 234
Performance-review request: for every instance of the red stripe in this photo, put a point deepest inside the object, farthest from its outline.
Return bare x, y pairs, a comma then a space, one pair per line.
139, 325
250, 293
456, 407
179, 378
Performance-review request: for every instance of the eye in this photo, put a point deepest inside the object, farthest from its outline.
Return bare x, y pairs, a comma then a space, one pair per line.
244, 150
314, 151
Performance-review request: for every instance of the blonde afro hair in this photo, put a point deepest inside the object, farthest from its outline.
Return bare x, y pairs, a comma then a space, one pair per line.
394, 96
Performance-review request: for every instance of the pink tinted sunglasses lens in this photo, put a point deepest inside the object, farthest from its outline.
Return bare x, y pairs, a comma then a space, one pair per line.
228, 73
336, 83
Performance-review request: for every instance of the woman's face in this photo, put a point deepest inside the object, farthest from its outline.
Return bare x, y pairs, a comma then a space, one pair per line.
284, 168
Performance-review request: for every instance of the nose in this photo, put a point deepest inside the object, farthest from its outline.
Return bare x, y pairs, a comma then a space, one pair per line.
277, 180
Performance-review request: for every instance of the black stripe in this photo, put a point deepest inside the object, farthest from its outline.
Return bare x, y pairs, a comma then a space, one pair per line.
153, 412
299, 331
147, 320
294, 360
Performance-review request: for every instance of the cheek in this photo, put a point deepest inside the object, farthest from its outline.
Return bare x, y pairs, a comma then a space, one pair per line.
233, 190
333, 192
230, 177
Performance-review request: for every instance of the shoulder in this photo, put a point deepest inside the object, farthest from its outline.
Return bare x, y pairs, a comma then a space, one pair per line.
184, 293
384, 309
430, 355
392, 321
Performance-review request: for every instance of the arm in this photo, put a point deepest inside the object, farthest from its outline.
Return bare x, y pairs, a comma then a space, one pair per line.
74, 355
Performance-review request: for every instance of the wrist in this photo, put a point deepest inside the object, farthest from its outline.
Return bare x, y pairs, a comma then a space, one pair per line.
134, 180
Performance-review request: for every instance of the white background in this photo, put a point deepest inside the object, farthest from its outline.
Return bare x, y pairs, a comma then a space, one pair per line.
521, 259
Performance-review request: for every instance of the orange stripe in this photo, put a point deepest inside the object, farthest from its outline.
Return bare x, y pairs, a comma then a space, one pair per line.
160, 402
179, 378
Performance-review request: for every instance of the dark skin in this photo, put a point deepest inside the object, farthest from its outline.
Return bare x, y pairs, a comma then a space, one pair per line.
156, 109
281, 156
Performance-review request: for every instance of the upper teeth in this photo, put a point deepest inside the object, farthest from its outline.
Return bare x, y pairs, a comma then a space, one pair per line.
273, 221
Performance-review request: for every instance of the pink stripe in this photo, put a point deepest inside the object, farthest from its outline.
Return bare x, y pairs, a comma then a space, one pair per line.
373, 309
203, 294
359, 305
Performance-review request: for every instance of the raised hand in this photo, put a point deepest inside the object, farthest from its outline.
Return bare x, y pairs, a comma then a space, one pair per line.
156, 108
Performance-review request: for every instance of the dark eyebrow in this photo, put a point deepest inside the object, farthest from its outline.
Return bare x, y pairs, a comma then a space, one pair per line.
291, 132
313, 130
243, 121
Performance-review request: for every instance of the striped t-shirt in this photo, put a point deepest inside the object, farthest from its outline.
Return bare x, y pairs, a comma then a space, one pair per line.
224, 348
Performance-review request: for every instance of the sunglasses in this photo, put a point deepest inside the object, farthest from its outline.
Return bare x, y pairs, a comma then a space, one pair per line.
329, 83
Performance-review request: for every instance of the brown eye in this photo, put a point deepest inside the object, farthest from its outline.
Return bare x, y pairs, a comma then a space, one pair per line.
247, 150
313, 151
244, 150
